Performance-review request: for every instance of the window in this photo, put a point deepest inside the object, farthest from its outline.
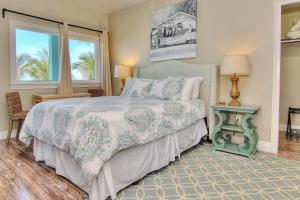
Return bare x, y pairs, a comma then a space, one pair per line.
84, 58
35, 57
34, 54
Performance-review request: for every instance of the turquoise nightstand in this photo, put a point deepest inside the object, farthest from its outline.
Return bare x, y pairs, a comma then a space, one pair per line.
225, 125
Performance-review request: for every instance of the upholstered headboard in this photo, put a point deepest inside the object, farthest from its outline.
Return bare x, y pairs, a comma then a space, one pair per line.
209, 87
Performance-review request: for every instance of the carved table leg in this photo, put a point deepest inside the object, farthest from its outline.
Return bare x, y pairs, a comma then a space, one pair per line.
217, 136
250, 140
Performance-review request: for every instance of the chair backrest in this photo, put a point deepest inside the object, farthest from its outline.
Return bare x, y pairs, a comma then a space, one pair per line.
14, 102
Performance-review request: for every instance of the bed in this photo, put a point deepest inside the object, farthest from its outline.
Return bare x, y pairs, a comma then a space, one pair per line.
105, 175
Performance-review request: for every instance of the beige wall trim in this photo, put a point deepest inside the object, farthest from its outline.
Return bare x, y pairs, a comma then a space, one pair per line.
276, 72
261, 146
276, 76
3, 134
33, 86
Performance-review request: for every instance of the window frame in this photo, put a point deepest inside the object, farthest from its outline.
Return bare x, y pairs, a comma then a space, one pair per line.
98, 72
15, 84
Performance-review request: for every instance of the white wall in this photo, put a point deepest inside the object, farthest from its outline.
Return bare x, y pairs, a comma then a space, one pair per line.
224, 27
54, 9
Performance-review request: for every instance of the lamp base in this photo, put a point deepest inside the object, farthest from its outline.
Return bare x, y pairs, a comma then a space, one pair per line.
234, 103
234, 93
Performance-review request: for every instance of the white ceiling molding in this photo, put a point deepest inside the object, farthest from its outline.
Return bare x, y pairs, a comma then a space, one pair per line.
105, 6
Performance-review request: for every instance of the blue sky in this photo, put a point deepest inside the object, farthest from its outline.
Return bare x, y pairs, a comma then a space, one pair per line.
31, 42
78, 47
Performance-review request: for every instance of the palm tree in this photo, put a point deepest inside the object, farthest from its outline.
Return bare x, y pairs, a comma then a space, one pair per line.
22, 60
86, 65
37, 68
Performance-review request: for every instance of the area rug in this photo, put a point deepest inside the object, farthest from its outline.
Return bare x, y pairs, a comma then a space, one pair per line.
202, 173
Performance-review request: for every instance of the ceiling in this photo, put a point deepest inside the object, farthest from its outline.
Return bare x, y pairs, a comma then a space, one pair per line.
105, 6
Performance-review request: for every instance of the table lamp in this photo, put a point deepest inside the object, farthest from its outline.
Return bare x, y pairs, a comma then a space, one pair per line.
122, 72
235, 66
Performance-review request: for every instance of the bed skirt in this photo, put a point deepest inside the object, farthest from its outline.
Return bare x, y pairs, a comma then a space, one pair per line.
127, 166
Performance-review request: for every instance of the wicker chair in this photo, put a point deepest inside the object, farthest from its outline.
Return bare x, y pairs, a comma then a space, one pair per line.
16, 112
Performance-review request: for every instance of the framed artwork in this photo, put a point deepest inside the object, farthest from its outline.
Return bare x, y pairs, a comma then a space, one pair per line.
174, 31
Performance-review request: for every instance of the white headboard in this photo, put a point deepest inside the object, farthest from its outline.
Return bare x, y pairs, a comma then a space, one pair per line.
209, 87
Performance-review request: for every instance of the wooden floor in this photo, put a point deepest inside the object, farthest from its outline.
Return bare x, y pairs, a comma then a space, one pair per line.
289, 148
23, 178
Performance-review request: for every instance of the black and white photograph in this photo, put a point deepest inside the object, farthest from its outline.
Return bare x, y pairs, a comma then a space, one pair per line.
174, 31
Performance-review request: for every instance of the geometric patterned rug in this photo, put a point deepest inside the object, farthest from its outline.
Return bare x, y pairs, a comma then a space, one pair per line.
202, 173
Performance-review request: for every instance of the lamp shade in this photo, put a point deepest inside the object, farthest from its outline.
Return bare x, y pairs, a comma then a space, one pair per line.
122, 71
235, 64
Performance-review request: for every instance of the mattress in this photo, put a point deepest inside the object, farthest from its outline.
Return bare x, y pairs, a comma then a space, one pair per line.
127, 166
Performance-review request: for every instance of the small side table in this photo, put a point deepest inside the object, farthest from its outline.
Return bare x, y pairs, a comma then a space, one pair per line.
221, 137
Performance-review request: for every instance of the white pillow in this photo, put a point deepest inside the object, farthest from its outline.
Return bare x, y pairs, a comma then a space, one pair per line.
167, 89
191, 88
196, 91
137, 87
188, 89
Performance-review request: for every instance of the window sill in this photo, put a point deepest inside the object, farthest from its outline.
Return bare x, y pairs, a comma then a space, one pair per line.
31, 86
85, 84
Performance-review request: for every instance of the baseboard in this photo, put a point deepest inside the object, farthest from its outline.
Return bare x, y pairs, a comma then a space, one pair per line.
261, 146
3, 134
282, 127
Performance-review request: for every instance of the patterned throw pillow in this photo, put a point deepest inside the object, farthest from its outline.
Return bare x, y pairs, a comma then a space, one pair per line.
167, 89
137, 87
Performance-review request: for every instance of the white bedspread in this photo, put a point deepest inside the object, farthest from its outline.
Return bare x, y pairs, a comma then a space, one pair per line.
93, 130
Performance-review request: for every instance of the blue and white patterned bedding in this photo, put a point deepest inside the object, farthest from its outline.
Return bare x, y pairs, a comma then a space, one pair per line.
92, 130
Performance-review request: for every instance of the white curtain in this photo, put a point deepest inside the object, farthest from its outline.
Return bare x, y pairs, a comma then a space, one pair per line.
65, 85
106, 75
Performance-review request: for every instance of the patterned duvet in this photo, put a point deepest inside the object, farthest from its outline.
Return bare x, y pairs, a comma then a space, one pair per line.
92, 130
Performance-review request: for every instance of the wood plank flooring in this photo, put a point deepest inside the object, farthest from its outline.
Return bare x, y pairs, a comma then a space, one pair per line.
23, 178
289, 148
